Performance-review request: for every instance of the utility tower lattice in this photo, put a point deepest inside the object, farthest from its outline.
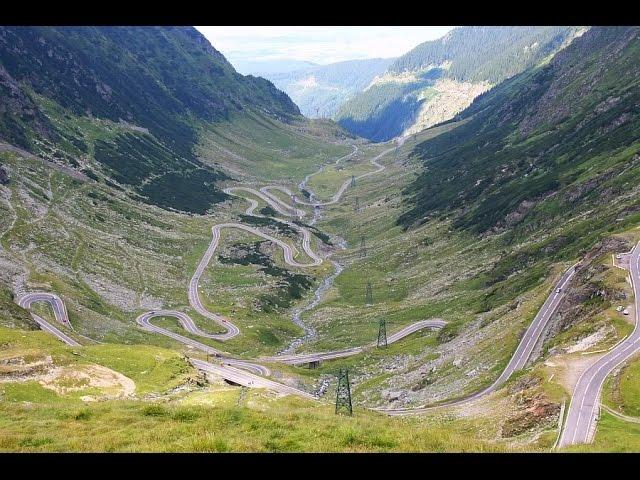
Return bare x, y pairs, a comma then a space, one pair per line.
343, 393
363, 247
242, 396
382, 333
353, 180
368, 296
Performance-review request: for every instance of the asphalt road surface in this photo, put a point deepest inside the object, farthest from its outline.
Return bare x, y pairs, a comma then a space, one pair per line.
583, 410
303, 184
290, 252
59, 310
144, 321
297, 359
274, 202
336, 197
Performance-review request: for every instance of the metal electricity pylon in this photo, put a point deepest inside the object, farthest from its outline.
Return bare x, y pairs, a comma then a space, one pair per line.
368, 295
382, 333
242, 396
353, 180
363, 247
343, 393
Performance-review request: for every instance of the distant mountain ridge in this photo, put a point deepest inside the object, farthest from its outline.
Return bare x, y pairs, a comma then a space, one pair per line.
320, 90
263, 68
439, 78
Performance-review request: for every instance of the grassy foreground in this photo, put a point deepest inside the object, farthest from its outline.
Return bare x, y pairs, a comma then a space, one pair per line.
267, 425
193, 417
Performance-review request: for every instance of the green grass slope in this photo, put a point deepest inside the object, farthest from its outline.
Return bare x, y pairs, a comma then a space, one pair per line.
171, 409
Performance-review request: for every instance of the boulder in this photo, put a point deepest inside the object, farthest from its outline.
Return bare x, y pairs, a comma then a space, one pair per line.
4, 176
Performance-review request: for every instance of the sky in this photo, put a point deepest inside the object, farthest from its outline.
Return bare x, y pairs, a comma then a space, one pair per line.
245, 46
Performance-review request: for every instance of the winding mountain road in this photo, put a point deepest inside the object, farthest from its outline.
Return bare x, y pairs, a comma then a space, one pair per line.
59, 310
144, 321
303, 184
583, 410
194, 295
265, 191
274, 202
227, 367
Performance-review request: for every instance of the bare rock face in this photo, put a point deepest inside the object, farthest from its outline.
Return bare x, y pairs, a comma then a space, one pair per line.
4, 176
534, 413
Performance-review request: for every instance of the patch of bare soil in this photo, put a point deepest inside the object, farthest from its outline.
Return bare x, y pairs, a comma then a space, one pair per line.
76, 378
568, 368
536, 412
67, 379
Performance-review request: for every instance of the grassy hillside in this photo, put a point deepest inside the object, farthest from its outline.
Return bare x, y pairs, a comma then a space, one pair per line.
472, 221
110, 257
484, 229
171, 409
434, 270
130, 73
253, 146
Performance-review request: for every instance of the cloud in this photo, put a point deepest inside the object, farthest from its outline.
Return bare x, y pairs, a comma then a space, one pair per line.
316, 44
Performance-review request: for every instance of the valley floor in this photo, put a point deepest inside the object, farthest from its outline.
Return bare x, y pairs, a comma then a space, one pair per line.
127, 389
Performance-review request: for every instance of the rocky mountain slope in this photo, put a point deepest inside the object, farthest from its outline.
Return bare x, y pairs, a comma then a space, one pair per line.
551, 155
439, 78
131, 98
